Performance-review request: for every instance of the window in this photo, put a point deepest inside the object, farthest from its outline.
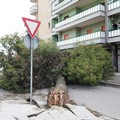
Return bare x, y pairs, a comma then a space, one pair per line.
61, 1
66, 36
66, 17
89, 31
103, 28
48, 25
118, 24
115, 26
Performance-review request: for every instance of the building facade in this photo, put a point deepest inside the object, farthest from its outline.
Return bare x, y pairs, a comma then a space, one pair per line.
69, 22
41, 9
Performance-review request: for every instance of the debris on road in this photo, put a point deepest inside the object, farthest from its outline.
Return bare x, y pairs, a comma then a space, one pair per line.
15, 107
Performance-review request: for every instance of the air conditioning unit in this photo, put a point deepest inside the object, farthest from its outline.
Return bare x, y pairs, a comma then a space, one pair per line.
113, 18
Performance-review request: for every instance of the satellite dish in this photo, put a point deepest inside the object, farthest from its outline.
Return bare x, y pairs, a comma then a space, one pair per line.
28, 41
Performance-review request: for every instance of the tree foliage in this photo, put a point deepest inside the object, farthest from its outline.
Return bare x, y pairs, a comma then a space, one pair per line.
47, 64
88, 64
15, 61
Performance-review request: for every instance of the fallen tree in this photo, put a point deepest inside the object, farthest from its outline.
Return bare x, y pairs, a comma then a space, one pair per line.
58, 95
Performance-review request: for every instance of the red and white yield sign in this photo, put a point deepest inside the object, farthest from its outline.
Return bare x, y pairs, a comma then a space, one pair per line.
31, 25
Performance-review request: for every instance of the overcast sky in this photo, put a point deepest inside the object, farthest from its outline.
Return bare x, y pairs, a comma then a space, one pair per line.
11, 13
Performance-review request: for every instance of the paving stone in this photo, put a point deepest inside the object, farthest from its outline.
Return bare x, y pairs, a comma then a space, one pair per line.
17, 109
81, 112
5, 116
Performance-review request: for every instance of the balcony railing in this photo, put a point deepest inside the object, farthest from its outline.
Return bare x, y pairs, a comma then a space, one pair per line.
33, 10
114, 33
81, 15
57, 5
90, 38
114, 5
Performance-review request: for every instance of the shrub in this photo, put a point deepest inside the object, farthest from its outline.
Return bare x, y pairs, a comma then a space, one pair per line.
88, 64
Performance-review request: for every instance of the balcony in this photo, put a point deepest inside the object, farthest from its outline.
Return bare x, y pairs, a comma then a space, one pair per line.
33, 1
114, 33
96, 37
57, 7
114, 7
114, 36
89, 16
33, 10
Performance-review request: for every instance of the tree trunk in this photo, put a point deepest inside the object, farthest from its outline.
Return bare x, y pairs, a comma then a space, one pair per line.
58, 95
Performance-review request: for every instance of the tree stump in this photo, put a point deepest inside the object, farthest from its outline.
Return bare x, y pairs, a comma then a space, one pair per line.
58, 95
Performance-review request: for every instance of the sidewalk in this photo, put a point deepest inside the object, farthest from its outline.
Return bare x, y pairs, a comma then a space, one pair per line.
115, 82
15, 106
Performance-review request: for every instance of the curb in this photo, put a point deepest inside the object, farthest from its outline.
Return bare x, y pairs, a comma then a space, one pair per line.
110, 84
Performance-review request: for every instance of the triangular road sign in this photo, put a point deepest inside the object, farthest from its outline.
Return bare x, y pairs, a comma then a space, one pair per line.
31, 25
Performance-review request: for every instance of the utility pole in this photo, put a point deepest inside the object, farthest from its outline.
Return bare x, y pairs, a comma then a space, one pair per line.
106, 21
113, 46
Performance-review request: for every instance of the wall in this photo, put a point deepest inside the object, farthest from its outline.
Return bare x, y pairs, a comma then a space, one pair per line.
95, 27
69, 13
91, 5
44, 15
75, 32
77, 10
71, 32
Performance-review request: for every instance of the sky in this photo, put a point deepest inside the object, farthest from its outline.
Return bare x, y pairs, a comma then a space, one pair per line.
11, 13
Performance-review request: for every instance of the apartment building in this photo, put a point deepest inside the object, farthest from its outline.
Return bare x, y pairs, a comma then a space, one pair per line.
70, 22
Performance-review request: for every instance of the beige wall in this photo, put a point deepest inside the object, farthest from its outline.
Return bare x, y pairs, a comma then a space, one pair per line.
44, 15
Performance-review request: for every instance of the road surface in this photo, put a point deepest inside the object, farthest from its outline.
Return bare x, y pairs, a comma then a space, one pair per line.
103, 99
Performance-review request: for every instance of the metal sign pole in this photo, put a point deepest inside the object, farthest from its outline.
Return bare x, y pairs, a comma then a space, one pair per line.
31, 69
31, 42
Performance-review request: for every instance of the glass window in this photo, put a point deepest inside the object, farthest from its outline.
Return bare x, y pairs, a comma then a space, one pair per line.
66, 36
89, 31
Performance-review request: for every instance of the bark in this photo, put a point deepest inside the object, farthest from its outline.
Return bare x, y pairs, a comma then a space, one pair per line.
58, 95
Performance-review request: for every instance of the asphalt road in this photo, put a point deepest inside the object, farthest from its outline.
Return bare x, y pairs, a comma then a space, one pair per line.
105, 100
